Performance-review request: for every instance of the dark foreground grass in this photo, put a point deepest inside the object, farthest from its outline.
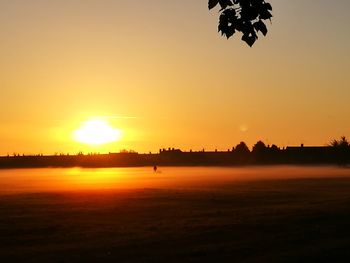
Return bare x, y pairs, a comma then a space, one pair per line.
268, 221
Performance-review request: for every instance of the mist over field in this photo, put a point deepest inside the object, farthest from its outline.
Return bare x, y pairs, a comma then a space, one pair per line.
77, 179
247, 214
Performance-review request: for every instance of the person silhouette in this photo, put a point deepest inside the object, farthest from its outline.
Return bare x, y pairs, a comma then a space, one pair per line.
155, 168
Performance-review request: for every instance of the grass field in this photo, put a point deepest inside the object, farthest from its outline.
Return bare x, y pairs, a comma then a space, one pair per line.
294, 220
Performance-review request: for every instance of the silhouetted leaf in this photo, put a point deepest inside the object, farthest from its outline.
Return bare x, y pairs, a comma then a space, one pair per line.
245, 16
230, 30
225, 3
265, 14
250, 40
260, 26
268, 6
250, 13
213, 3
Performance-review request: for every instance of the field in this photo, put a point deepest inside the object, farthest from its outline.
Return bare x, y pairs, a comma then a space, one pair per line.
274, 220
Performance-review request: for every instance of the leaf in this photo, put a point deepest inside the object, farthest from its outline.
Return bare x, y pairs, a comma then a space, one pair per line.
245, 16
268, 6
250, 40
212, 4
250, 13
265, 15
260, 26
230, 30
226, 25
225, 3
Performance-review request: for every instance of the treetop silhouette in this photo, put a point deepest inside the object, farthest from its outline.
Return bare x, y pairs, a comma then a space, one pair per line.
342, 143
245, 16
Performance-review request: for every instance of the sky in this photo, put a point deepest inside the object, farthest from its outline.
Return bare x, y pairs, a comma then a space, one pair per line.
159, 72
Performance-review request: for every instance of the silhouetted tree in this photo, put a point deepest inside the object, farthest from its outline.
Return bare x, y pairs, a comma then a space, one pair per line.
241, 153
342, 150
342, 143
274, 148
259, 148
245, 16
274, 154
259, 151
242, 148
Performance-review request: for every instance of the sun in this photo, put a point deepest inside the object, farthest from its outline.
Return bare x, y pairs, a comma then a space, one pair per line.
97, 132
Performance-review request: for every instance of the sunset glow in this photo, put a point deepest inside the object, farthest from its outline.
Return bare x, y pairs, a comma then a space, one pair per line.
206, 131
172, 82
97, 132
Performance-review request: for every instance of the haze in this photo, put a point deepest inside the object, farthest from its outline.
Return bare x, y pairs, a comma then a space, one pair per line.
176, 178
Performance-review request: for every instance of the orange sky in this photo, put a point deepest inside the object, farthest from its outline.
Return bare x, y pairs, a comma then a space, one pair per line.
160, 72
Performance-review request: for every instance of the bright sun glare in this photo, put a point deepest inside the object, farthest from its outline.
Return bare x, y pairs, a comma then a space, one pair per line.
97, 132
